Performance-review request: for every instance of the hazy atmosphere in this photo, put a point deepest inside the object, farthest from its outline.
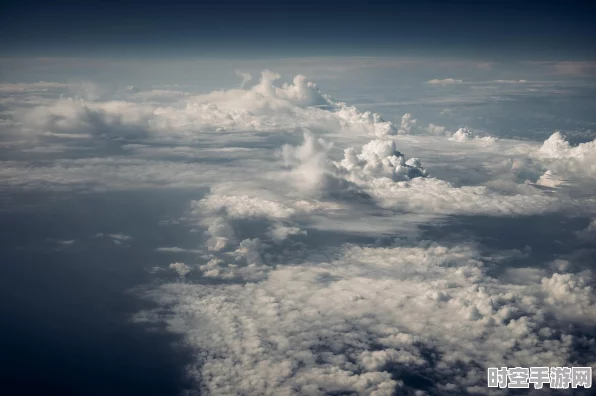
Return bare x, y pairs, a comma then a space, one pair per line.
295, 198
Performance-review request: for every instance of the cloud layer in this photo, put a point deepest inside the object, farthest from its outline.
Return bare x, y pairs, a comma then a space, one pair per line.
306, 273
373, 321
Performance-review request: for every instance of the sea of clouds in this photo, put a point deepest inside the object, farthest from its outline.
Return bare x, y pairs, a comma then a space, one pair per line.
311, 272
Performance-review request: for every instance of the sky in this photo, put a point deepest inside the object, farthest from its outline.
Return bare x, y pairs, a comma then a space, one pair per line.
283, 198
546, 30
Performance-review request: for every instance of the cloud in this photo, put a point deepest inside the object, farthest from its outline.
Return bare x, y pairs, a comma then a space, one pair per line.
462, 135
407, 124
510, 81
117, 239
466, 135
86, 90
158, 95
115, 173
436, 129
280, 232
115, 119
244, 227
175, 249
40, 86
445, 81
382, 173
219, 213
181, 269
589, 233
242, 207
549, 179
159, 134
557, 154
246, 77
373, 319
379, 159
262, 107
307, 275
575, 68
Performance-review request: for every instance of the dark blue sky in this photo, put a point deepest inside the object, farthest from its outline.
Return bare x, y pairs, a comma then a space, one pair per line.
490, 28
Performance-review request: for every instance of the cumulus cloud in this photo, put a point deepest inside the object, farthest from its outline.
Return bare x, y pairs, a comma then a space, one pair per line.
181, 269
372, 320
436, 129
462, 135
241, 229
466, 135
242, 207
366, 120
381, 172
264, 106
549, 179
407, 124
219, 212
561, 157
379, 158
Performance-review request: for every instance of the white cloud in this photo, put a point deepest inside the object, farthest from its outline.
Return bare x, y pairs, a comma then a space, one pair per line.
262, 107
370, 122
120, 237
561, 157
436, 129
379, 159
181, 269
407, 124
242, 207
394, 183
462, 135
445, 81
466, 135
549, 179
117, 238
432, 195
280, 232
510, 81
344, 325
